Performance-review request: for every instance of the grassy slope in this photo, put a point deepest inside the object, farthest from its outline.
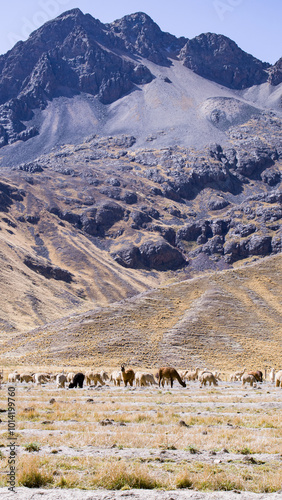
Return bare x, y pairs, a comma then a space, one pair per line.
219, 320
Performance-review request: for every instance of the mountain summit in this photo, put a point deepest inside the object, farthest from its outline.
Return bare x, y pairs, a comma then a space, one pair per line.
76, 53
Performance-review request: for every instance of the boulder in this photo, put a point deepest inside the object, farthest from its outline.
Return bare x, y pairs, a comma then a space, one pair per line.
161, 255
128, 256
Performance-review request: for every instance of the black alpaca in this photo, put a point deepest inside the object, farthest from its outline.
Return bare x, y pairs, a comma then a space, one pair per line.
78, 380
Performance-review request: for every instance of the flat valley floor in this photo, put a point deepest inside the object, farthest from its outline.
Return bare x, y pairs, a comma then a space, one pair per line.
109, 442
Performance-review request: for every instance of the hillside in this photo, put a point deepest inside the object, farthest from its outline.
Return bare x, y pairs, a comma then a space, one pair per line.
222, 320
132, 160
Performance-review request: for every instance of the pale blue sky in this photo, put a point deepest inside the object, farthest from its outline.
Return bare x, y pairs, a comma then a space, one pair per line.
255, 25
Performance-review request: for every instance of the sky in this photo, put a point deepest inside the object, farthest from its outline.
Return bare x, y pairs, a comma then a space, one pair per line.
255, 25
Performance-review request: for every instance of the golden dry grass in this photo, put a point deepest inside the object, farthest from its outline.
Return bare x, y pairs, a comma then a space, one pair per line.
219, 321
232, 437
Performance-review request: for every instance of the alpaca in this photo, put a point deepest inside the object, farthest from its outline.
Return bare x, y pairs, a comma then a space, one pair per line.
208, 377
127, 375
171, 374
78, 380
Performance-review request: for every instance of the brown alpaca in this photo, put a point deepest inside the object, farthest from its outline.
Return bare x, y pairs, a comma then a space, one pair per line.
257, 375
127, 375
168, 373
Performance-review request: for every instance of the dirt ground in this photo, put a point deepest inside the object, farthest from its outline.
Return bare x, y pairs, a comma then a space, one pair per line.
220, 442
39, 494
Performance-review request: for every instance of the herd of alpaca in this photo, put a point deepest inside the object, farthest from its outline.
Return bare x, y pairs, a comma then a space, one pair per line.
127, 376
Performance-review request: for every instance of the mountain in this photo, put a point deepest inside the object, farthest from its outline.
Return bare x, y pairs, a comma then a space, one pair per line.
131, 160
76, 54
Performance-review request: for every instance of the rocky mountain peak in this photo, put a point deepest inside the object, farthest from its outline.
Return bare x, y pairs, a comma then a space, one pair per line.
219, 59
75, 13
76, 53
141, 35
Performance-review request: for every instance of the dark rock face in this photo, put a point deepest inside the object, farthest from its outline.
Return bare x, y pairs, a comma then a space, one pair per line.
47, 270
160, 255
219, 59
275, 75
256, 245
218, 204
157, 255
277, 242
250, 163
98, 219
8, 195
140, 219
191, 232
128, 256
138, 34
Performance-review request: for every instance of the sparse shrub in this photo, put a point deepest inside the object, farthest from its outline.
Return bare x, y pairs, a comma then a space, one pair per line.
32, 447
245, 451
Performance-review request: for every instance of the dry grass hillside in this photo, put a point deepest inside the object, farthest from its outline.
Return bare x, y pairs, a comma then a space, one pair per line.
219, 320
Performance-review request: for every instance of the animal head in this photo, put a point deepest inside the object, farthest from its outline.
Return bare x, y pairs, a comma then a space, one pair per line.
122, 367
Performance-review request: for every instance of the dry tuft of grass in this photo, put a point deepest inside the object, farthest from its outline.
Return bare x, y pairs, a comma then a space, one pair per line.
30, 475
121, 475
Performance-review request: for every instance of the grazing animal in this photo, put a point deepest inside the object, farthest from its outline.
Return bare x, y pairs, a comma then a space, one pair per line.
116, 378
147, 379
278, 379
207, 377
272, 375
78, 380
138, 376
257, 374
250, 379
127, 375
70, 376
192, 374
144, 379
26, 377
93, 377
169, 373
61, 380
237, 375
40, 378
104, 375
13, 377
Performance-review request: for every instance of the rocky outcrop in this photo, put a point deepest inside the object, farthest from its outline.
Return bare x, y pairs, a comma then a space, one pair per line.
9, 194
47, 270
96, 220
219, 59
275, 74
239, 249
151, 254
